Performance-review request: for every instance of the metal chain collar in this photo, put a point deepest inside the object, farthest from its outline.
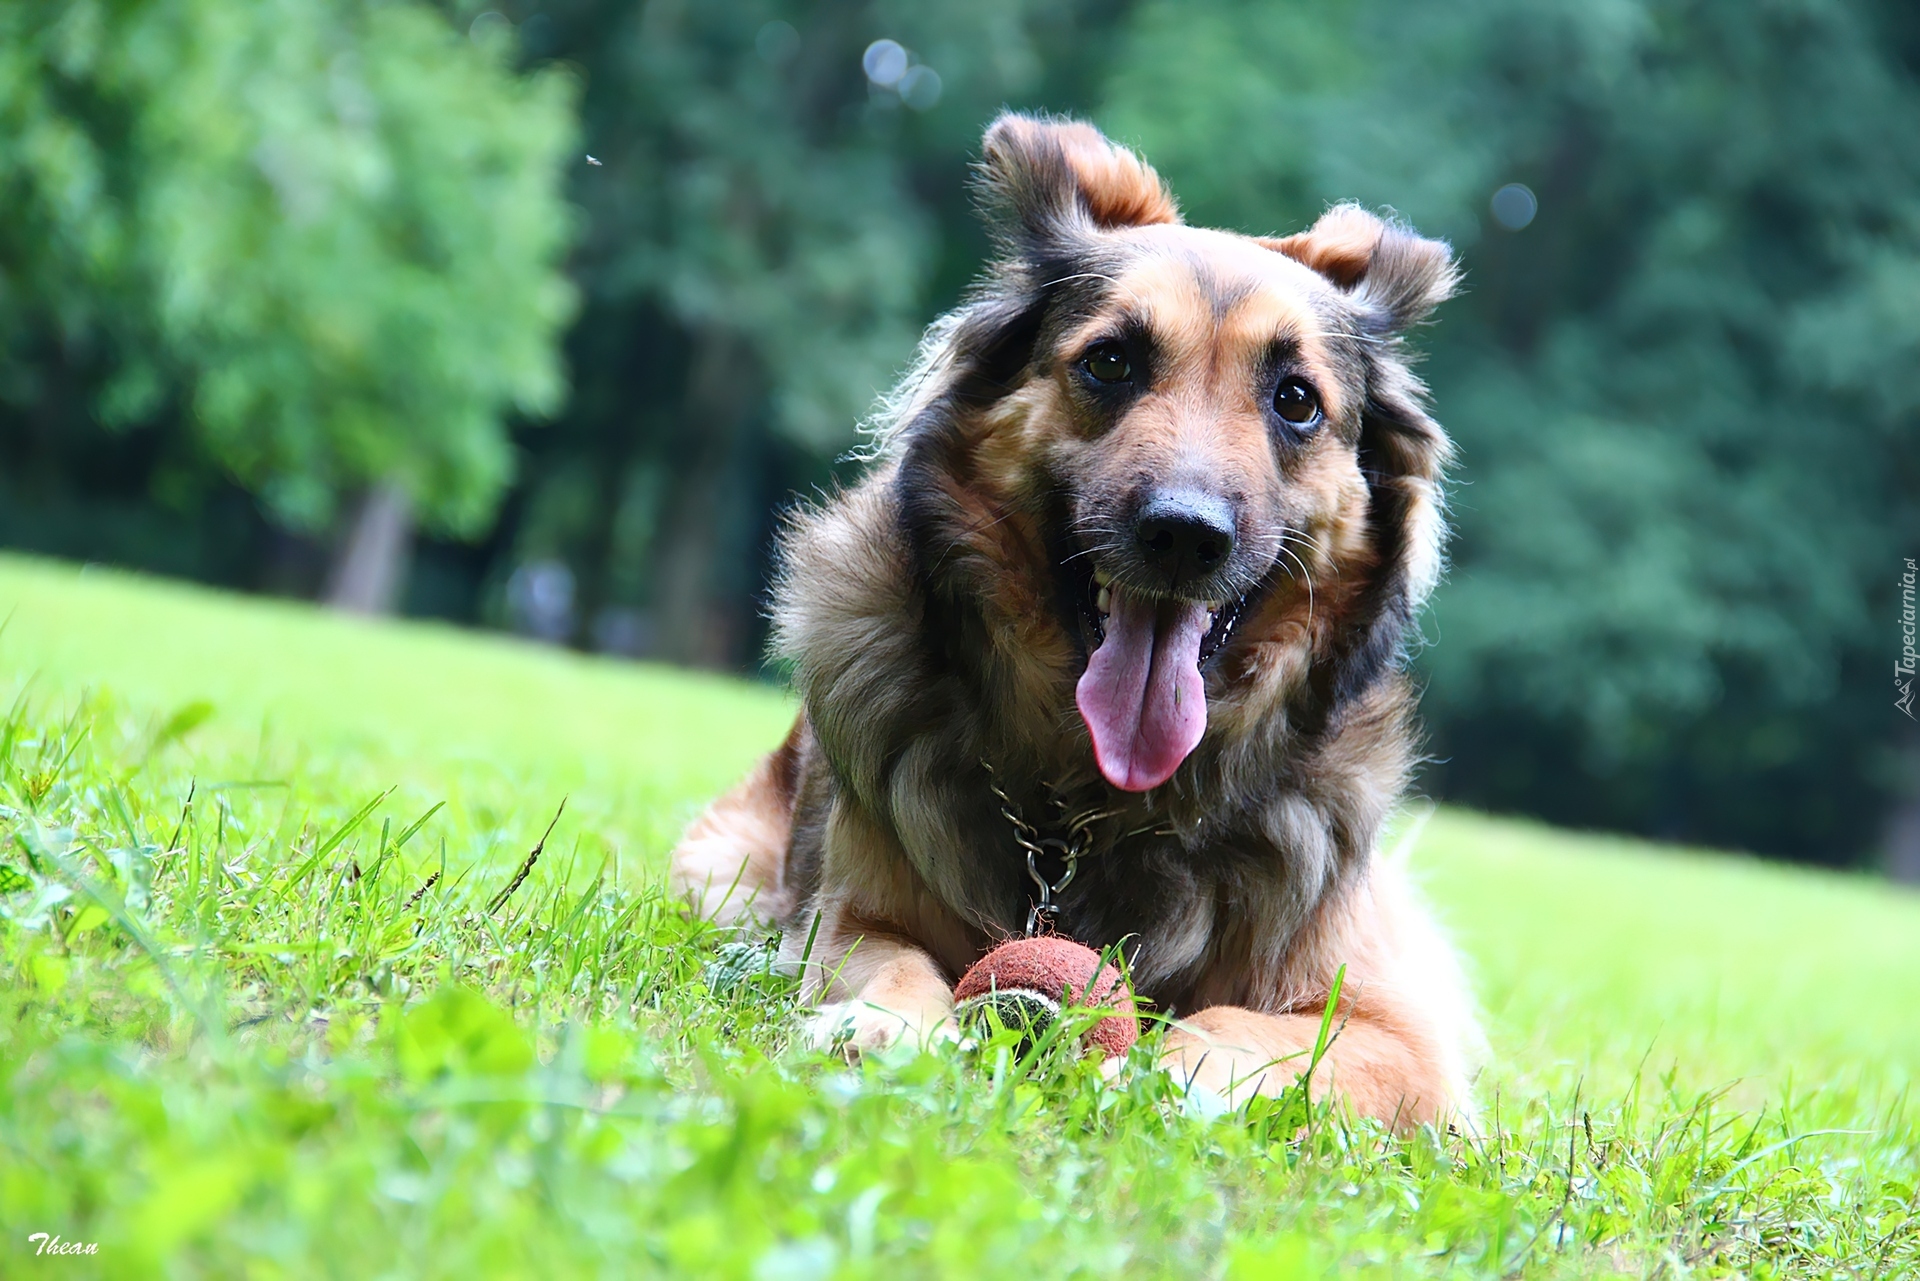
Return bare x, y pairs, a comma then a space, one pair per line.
1071, 847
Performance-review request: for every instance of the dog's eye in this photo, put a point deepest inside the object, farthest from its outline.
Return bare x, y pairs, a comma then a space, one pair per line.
1296, 402
1107, 363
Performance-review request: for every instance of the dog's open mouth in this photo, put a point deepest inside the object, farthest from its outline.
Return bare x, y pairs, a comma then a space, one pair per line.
1143, 696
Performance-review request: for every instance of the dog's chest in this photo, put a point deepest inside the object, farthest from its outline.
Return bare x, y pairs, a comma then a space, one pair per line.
1182, 915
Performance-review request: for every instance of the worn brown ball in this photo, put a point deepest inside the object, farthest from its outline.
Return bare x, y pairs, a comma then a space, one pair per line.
1028, 981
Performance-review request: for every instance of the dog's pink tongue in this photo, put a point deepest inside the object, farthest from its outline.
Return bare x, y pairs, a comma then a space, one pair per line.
1142, 696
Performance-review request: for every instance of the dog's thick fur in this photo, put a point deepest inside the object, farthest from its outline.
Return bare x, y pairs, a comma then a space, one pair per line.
936, 617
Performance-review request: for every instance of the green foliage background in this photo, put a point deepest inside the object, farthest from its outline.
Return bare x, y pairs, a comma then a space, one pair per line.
329, 232
1685, 394
260, 256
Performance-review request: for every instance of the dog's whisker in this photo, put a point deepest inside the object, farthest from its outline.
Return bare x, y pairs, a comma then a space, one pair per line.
1305, 577
1302, 542
1005, 515
1126, 291
1080, 275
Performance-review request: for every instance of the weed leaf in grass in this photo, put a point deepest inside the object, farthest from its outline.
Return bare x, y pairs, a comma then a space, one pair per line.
183, 722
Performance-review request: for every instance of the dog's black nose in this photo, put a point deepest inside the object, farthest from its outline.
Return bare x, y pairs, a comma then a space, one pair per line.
1187, 535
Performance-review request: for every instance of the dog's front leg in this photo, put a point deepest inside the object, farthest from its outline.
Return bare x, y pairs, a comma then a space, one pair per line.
1401, 1038
1378, 1070
868, 946
873, 989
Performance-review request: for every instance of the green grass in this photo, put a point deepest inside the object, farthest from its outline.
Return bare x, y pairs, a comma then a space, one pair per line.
238, 1037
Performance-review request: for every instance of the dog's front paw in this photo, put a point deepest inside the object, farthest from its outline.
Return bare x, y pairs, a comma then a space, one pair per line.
1217, 1078
1194, 1095
856, 1028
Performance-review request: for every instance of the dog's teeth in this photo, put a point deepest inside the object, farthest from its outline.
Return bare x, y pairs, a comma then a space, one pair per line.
1104, 601
1102, 577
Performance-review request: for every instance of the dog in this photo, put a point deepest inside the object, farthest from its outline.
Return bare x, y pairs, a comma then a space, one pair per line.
1109, 642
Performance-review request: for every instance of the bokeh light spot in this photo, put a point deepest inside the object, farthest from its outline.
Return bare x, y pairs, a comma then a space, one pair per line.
490, 25
885, 62
1514, 206
920, 88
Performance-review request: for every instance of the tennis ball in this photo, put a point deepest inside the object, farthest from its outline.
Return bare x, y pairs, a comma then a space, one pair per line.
1028, 980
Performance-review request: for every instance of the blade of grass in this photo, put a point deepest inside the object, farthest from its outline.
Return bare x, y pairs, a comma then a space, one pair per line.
326, 847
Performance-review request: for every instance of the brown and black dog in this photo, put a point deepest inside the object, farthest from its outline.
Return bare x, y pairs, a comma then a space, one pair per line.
1147, 527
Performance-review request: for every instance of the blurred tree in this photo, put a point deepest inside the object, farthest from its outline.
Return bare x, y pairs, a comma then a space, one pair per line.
309, 249
1685, 391
323, 235
764, 247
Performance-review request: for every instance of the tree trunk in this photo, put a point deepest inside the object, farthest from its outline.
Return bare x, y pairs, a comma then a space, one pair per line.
613, 465
720, 392
370, 568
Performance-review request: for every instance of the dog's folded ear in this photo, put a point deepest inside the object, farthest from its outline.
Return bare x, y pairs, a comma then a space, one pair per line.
1397, 276
1052, 176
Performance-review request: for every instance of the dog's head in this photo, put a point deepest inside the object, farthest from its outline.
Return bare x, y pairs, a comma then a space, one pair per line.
1208, 446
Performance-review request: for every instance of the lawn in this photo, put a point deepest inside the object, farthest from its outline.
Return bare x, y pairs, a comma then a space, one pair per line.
276, 1002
